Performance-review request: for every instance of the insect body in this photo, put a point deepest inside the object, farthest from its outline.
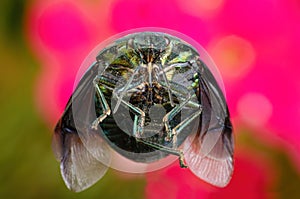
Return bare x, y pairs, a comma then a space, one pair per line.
146, 96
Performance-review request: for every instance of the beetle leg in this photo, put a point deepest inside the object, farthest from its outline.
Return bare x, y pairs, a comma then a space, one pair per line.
172, 133
172, 66
103, 104
139, 119
183, 92
169, 150
181, 160
170, 115
125, 88
183, 124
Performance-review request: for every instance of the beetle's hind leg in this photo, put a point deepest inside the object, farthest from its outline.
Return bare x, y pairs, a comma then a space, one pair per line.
170, 115
176, 130
103, 103
172, 133
173, 151
188, 102
181, 160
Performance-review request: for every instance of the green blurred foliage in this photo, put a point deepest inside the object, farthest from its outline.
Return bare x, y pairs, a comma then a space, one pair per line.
28, 168
287, 179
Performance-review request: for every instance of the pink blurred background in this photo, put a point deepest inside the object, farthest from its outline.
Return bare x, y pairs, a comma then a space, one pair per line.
255, 45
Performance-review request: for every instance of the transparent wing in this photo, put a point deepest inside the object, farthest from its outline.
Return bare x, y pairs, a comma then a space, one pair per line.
79, 168
83, 162
82, 104
209, 154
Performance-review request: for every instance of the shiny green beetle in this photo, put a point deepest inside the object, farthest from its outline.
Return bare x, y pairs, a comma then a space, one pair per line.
146, 95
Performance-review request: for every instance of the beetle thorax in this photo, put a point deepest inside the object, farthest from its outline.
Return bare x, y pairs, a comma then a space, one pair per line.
152, 100
149, 72
149, 94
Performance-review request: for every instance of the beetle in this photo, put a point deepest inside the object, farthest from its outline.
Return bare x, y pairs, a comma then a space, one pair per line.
146, 96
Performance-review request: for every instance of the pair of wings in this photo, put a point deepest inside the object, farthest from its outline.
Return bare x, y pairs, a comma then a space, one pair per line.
85, 157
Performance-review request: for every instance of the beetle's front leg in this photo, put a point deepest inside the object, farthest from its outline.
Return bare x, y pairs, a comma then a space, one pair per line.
126, 88
103, 103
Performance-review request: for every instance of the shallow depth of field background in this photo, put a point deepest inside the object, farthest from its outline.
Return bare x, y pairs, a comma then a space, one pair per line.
255, 45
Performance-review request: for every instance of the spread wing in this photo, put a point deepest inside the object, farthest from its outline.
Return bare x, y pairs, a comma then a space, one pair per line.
209, 153
82, 153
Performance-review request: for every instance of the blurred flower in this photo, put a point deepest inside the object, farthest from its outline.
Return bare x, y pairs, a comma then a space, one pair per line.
129, 14
255, 48
61, 34
234, 54
257, 114
201, 8
252, 179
